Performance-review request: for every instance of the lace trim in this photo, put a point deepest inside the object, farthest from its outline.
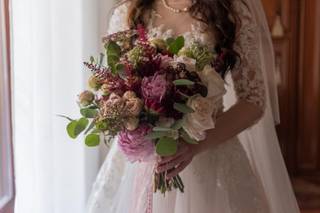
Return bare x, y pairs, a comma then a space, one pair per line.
247, 75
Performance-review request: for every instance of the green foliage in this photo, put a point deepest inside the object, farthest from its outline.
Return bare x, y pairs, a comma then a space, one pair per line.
183, 82
175, 45
178, 124
113, 52
156, 134
88, 112
75, 127
182, 108
161, 129
187, 138
166, 146
200, 53
92, 140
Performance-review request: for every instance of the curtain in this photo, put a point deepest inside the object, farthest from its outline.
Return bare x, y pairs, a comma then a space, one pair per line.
50, 40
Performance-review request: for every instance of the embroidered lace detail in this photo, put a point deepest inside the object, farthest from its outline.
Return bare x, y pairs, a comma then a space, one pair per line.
247, 75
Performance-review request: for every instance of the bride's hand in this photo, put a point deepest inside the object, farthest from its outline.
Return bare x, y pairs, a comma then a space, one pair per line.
178, 162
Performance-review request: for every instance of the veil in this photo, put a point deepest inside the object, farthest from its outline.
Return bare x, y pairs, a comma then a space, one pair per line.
260, 141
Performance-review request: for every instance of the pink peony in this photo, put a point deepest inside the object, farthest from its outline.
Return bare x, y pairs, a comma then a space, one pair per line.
155, 87
134, 144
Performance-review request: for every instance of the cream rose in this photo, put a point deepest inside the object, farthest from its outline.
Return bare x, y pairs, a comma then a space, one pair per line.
202, 119
213, 81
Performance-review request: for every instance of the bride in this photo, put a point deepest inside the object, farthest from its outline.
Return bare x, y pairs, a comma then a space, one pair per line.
238, 168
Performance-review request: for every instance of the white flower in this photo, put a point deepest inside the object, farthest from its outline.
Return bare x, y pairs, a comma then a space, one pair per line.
203, 117
213, 81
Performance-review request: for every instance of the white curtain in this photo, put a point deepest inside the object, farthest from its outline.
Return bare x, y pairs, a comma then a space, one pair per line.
50, 40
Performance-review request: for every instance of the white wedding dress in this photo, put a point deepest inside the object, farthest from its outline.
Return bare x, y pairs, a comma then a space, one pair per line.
243, 175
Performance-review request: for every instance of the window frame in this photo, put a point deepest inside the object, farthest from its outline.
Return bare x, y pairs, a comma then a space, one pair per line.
6, 163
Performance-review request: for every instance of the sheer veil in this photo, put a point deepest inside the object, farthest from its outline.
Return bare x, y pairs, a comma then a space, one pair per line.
260, 141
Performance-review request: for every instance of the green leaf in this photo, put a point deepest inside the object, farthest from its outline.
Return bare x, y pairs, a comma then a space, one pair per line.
166, 146
178, 124
169, 41
161, 129
183, 82
66, 117
82, 124
113, 49
89, 113
112, 60
92, 61
182, 108
71, 129
185, 136
156, 134
101, 59
92, 140
74, 128
176, 45
92, 124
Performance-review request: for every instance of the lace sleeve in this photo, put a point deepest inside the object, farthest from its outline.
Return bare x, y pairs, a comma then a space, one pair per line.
247, 75
118, 21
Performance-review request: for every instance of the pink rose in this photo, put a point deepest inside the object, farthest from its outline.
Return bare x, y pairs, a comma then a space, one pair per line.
134, 144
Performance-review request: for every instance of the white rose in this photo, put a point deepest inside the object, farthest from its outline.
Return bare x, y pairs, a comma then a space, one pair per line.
213, 81
202, 119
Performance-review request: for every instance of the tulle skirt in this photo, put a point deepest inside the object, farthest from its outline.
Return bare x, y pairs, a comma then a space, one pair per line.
217, 181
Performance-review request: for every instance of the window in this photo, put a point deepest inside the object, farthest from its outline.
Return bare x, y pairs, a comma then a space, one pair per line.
6, 171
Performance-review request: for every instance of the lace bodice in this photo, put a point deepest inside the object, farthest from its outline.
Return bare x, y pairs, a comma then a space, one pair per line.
247, 74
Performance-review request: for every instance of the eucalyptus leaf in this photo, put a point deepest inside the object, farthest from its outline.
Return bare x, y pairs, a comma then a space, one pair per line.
88, 112
113, 49
92, 61
185, 136
112, 60
71, 129
66, 117
169, 41
183, 108
161, 129
82, 124
183, 82
176, 45
156, 134
101, 59
92, 124
178, 124
166, 147
92, 140
74, 128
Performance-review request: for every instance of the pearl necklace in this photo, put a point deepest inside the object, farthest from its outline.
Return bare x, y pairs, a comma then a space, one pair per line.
175, 10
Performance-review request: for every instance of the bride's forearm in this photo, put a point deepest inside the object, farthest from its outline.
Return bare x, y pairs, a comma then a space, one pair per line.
232, 122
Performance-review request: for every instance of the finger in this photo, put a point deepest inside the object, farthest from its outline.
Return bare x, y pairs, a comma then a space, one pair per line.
179, 169
172, 164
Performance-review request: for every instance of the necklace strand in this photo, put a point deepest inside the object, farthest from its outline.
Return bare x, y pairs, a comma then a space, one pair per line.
175, 10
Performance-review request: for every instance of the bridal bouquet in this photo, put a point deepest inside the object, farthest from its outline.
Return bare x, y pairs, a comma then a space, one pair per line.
152, 94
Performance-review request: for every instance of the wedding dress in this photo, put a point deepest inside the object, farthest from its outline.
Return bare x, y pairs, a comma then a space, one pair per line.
246, 174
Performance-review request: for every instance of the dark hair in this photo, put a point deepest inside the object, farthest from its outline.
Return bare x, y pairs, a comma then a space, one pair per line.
218, 15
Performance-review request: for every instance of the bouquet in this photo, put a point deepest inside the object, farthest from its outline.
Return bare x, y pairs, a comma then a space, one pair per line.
152, 94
